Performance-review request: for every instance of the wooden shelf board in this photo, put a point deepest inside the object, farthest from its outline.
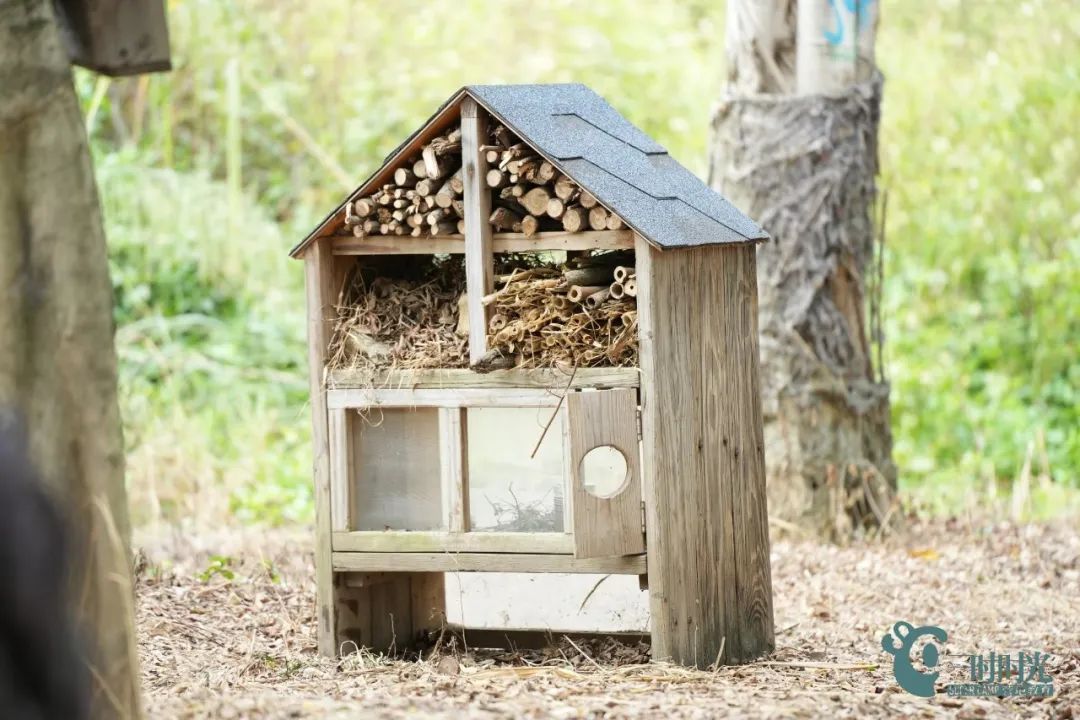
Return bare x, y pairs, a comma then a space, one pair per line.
615, 377
439, 542
484, 562
501, 242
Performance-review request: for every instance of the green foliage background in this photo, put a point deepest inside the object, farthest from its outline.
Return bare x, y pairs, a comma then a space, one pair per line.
276, 107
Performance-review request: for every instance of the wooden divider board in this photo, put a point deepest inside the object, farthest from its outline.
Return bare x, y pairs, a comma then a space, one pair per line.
479, 262
605, 527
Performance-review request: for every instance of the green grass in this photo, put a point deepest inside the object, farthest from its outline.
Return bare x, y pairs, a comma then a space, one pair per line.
209, 174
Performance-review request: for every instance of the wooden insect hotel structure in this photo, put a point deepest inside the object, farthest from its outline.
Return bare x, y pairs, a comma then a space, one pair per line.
533, 348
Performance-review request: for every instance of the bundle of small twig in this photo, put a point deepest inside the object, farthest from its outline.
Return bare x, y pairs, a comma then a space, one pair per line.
402, 323
529, 195
425, 197
580, 315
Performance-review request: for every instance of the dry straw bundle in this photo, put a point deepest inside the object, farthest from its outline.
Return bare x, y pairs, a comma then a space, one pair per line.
579, 316
583, 314
389, 322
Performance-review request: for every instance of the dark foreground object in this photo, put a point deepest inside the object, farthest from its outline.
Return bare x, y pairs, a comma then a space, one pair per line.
41, 673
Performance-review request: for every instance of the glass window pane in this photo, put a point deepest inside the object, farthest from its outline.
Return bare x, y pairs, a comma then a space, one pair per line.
508, 490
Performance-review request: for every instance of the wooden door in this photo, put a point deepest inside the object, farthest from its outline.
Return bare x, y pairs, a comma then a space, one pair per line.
602, 425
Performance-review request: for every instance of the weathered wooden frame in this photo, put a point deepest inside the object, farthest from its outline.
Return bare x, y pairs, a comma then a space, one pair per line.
702, 478
452, 403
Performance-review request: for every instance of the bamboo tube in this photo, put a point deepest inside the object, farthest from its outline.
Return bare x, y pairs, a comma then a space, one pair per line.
622, 272
593, 275
630, 287
597, 299
616, 290
497, 323
578, 293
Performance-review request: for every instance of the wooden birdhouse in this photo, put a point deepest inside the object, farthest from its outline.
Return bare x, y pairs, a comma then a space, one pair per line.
533, 348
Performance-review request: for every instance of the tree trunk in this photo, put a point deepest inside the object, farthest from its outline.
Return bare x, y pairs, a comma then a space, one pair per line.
57, 361
795, 147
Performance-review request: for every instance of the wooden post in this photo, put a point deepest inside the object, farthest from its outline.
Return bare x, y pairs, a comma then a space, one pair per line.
454, 462
341, 470
321, 296
477, 198
707, 526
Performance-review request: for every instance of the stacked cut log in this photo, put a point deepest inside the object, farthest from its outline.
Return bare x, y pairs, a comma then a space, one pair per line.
423, 199
530, 195
583, 314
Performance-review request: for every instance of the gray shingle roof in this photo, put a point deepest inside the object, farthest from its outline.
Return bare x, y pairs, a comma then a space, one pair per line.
617, 163
625, 169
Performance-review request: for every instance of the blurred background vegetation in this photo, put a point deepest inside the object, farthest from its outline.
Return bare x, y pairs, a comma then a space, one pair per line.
276, 108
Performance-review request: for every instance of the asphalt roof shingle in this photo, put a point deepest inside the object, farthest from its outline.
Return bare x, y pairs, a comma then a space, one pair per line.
620, 165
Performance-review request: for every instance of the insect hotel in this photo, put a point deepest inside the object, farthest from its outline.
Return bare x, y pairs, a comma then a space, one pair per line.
533, 348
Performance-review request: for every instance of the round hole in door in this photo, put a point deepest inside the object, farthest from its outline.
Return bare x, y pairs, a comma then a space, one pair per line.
604, 472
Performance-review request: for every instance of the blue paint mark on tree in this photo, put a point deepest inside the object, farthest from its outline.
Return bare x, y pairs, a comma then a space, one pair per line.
858, 8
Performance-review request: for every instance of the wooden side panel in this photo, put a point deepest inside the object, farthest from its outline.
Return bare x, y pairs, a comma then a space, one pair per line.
321, 296
605, 526
479, 266
706, 516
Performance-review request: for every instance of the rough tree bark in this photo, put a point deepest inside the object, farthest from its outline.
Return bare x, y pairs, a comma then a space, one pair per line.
57, 361
795, 147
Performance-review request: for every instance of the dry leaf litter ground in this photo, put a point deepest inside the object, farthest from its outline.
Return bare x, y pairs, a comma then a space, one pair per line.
219, 647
